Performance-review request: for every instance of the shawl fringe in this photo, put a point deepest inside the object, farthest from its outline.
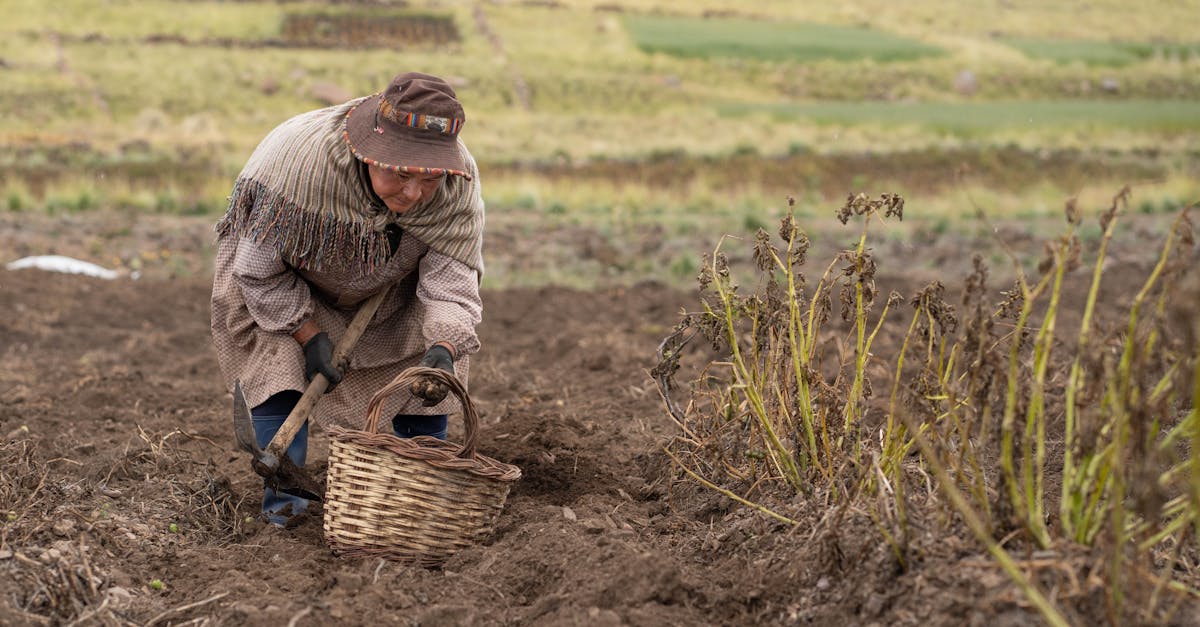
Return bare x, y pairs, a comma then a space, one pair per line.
307, 240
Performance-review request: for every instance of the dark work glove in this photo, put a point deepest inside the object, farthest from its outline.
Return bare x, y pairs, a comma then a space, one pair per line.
430, 391
318, 357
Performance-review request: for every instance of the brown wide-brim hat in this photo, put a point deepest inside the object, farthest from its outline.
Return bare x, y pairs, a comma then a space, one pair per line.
411, 127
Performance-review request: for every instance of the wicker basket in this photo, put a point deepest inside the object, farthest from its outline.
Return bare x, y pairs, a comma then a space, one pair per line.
413, 500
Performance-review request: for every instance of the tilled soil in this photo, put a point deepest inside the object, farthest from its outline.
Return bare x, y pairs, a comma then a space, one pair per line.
126, 501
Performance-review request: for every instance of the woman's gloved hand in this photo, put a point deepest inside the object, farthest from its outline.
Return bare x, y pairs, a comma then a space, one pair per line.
433, 392
318, 357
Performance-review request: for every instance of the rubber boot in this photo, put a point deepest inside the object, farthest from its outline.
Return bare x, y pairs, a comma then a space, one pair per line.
279, 507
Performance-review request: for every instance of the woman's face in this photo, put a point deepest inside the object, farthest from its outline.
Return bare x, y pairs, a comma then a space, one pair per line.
401, 191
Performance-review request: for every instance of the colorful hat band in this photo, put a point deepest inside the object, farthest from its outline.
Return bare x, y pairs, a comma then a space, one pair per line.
411, 169
445, 126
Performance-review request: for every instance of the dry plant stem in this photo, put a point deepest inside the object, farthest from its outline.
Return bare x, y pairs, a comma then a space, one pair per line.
1035, 421
894, 447
777, 372
1194, 420
1124, 395
813, 335
853, 409
1164, 581
295, 620
1097, 476
710, 485
800, 343
966, 449
895, 443
783, 460
1072, 494
1021, 505
1181, 514
982, 533
885, 488
183, 608
672, 345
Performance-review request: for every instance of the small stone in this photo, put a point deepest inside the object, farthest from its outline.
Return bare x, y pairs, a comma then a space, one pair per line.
52, 555
64, 527
823, 583
569, 514
5, 554
874, 604
118, 596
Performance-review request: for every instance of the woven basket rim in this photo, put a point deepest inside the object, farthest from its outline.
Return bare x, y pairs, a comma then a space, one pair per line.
437, 453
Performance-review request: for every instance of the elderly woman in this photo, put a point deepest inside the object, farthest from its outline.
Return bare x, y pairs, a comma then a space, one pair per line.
334, 206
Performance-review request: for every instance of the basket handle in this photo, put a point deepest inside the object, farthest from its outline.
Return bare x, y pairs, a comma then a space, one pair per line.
410, 376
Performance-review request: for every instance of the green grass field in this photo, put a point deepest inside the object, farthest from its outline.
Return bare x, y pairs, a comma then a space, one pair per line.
1113, 53
769, 40
983, 117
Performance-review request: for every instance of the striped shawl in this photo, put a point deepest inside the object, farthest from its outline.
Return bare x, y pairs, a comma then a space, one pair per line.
303, 192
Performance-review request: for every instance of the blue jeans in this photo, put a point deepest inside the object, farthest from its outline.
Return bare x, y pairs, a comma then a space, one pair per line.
409, 425
278, 507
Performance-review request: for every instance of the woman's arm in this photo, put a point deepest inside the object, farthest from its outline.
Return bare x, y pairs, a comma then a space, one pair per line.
278, 299
449, 291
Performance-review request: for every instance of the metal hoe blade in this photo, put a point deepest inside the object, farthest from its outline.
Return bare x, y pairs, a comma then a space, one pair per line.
280, 472
243, 424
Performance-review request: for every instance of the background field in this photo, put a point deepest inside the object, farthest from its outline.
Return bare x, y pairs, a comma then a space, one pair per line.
693, 117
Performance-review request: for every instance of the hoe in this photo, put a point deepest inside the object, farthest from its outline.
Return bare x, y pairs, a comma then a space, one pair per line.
273, 463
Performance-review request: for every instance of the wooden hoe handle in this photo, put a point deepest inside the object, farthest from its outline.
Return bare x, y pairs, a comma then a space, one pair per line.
287, 432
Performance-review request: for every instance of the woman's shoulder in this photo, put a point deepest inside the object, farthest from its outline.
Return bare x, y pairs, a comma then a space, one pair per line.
315, 121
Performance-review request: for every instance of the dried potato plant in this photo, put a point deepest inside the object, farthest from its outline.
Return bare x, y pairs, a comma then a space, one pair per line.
1033, 437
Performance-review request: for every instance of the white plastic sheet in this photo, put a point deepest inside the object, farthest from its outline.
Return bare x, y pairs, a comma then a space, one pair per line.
59, 263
